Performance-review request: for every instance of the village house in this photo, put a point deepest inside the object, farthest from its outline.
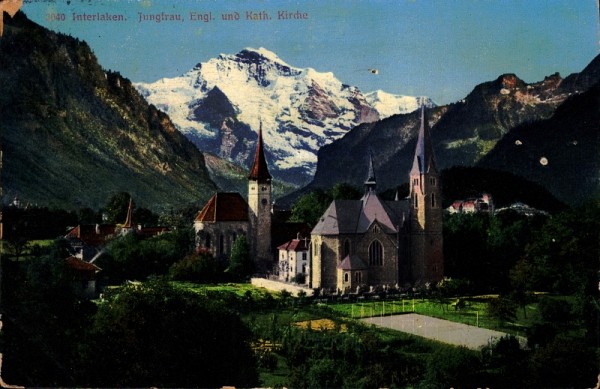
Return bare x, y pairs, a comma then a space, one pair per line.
481, 204
83, 276
87, 241
293, 260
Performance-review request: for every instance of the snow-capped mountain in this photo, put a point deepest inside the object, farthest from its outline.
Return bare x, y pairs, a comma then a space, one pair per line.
387, 104
221, 103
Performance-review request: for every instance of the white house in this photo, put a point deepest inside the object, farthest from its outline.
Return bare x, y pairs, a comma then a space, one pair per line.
293, 259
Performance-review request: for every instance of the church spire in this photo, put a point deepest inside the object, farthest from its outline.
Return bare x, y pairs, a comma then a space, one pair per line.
259, 169
424, 161
371, 182
129, 220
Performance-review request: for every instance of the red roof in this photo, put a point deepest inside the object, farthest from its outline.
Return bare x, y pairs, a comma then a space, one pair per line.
259, 169
295, 245
81, 269
92, 234
224, 207
79, 264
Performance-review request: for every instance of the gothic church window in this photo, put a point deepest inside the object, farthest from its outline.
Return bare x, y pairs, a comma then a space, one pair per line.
375, 254
345, 277
433, 200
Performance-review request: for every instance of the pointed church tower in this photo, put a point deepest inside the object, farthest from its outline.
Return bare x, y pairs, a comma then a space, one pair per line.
259, 204
371, 182
128, 226
427, 260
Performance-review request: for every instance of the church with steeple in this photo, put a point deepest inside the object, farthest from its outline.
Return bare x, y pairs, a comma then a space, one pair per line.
372, 241
227, 215
364, 242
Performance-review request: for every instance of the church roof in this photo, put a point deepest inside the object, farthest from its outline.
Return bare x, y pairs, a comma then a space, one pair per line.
259, 169
375, 209
352, 262
356, 216
424, 160
92, 234
224, 207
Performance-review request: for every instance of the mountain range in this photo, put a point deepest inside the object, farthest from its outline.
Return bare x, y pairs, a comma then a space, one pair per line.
73, 134
480, 130
221, 103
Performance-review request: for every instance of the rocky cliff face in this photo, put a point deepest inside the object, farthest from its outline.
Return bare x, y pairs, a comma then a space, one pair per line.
464, 133
74, 134
560, 153
301, 110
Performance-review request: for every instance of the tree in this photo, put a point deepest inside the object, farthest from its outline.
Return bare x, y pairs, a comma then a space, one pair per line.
502, 309
144, 217
344, 191
44, 321
197, 267
162, 336
507, 362
563, 255
452, 367
311, 206
241, 264
134, 257
564, 363
116, 208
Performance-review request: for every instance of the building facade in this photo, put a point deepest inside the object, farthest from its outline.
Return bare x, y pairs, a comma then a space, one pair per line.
227, 216
376, 242
293, 260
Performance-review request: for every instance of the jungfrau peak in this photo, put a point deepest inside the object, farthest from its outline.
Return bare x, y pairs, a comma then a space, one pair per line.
219, 104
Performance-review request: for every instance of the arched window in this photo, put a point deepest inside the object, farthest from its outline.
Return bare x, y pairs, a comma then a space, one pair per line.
345, 277
358, 277
432, 200
416, 201
346, 248
375, 254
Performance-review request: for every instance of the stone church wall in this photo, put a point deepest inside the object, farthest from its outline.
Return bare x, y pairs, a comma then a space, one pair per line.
218, 238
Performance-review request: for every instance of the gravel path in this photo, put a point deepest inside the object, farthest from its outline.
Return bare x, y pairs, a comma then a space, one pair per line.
437, 329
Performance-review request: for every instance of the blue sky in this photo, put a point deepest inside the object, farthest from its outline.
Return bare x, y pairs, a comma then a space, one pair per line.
436, 48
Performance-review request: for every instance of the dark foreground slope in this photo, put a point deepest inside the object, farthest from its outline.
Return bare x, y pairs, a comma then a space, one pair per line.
561, 153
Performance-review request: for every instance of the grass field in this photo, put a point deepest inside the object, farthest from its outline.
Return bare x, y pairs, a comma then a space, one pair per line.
472, 311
